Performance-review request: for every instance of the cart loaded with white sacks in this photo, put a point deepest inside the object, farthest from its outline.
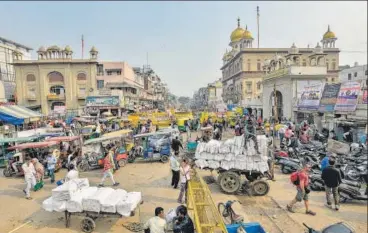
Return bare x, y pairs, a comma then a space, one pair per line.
76, 197
232, 159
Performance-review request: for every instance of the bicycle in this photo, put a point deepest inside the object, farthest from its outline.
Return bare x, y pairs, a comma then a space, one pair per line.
228, 213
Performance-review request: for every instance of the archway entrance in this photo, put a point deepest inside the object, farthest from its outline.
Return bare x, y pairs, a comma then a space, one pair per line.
279, 105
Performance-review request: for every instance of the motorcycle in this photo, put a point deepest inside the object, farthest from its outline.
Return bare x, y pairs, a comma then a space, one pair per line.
356, 172
290, 165
334, 228
9, 170
91, 161
352, 191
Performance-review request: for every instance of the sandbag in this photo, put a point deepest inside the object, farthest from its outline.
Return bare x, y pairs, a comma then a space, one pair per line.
47, 204
108, 205
129, 204
93, 203
75, 203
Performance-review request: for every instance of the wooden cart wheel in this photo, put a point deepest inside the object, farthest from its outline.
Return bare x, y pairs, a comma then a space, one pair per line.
88, 225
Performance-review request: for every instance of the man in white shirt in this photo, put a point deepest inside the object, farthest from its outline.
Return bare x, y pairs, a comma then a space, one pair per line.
29, 177
157, 224
72, 173
175, 169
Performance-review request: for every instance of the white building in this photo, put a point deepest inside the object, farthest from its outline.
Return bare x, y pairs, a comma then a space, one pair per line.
356, 73
9, 49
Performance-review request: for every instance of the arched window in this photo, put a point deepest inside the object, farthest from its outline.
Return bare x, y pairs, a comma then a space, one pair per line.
58, 90
55, 77
333, 65
81, 77
31, 78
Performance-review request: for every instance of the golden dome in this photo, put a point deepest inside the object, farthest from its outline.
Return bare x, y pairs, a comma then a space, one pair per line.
247, 34
93, 49
237, 34
68, 49
329, 34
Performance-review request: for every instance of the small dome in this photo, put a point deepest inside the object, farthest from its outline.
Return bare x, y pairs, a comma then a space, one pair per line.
93, 49
267, 62
67, 48
293, 49
247, 35
318, 49
54, 48
237, 34
329, 34
42, 49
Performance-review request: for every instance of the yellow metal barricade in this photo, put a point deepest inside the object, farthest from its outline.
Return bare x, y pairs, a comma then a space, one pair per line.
204, 211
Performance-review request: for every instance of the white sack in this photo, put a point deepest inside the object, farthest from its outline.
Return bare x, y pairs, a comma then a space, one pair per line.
93, 203
129, 204
64, 191
75, 203
109, 204
58, 206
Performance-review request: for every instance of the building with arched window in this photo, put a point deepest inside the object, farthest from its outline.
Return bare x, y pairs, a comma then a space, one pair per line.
56, 82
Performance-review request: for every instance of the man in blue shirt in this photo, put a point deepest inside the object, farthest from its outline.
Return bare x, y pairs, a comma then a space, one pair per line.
51, 162
324, 162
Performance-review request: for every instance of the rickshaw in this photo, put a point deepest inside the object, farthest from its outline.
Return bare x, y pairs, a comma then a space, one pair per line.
76, 140
88, 132
124, 147
79, 122
181, 124
94, 151
6, 142
34, 149
151, 147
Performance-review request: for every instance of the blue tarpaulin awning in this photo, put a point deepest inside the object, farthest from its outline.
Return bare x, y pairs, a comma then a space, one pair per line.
15, 115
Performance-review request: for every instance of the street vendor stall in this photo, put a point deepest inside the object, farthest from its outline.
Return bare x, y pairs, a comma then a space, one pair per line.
18, 115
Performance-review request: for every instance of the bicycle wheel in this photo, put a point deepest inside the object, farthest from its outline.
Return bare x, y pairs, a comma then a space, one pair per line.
224, 212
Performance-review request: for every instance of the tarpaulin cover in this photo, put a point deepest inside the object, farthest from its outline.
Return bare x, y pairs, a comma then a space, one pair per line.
15, 114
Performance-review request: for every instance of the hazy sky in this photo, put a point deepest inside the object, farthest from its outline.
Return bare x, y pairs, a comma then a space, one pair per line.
185, 41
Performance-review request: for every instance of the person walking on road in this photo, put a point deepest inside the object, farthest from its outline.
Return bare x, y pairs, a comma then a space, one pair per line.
29, 177
176, 144
301, 182
332, 178
184, 178
108, 170
175, 169
51, 162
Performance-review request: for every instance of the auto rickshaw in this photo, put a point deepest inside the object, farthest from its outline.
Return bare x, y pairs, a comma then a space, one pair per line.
181, 124
88, 132
122, 148
35, 150
94, 151
75, 140
151, 147
8, 142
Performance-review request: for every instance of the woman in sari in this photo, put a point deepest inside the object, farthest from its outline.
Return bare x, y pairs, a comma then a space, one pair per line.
40, 171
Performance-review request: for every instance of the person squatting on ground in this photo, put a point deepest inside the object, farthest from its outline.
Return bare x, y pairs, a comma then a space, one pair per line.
182, 222
156, 224
332, 178
29, 177
108, 169
175, 169
250, 133
184, 178
301, 181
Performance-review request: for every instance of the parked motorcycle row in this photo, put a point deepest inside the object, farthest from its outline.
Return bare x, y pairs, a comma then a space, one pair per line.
353, 166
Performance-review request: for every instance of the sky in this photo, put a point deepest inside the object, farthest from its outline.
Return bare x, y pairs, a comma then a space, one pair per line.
183, 41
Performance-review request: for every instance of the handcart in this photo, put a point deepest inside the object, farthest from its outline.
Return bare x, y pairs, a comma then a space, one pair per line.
88, 222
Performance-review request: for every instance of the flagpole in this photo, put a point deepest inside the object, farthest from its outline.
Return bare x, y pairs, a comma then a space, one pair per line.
82, 46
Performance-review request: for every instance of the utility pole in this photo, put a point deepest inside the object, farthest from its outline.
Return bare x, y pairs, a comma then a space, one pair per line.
275, 113
258, 25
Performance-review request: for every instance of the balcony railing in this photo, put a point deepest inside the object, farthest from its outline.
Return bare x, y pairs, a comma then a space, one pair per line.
53, 96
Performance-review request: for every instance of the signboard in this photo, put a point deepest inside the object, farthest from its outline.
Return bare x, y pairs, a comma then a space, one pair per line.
348, 96
338, 147
364, 97
59, 109
329, 97
102, 101
310, 97
104, 91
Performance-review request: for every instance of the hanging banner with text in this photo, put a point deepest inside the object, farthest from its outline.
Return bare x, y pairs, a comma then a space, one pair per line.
348, 97
310, 97
329, 97
364, 98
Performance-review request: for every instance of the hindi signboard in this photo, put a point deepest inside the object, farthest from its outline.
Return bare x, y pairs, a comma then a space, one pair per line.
310, 97
348, 96
329, 97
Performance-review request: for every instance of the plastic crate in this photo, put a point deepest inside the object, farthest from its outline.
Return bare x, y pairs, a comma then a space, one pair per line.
252, 227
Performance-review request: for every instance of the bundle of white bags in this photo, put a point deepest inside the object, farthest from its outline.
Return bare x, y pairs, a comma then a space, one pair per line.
76, 196
232, 154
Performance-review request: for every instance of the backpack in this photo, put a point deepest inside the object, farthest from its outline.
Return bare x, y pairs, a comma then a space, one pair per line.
294, 178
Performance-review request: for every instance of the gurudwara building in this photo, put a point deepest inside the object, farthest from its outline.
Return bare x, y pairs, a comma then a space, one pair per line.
243, 66
55, 82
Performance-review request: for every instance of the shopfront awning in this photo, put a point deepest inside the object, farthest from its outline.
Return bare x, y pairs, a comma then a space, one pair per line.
14, 114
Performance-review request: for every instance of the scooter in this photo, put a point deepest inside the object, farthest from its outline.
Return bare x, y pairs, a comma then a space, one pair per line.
334, 228
350, 190
290, 165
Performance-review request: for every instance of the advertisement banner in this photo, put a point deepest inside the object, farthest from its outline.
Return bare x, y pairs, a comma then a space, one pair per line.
102, 101
310, 97
329, 97
364, 97
348, 96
